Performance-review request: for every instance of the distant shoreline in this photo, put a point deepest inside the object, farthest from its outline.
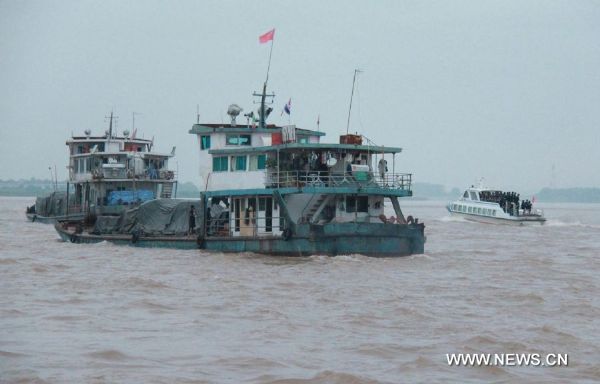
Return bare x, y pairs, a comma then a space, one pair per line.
421, 191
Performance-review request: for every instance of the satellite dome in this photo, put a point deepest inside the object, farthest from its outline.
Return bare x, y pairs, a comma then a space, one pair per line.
233, 111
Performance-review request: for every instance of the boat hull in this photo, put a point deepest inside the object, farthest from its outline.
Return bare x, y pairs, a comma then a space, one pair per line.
378, 240
516, 221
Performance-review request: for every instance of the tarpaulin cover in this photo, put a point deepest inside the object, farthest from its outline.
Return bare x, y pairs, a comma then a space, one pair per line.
154, 217
122, 197
55, 204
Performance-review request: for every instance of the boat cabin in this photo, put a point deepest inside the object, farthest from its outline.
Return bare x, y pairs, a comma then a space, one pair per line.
260, 181
110, 172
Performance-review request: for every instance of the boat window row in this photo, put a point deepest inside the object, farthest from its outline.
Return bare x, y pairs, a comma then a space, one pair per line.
82, 165
239, 163
473, 210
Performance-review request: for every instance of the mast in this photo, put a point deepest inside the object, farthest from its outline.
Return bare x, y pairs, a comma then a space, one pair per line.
356, 71
111, 122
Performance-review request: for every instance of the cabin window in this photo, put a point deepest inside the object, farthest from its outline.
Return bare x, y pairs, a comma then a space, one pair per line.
220, 164
479, 211
474, 196
204, 142
257, 162
238, 139
466, 195
494, 212
238, 163
357, 204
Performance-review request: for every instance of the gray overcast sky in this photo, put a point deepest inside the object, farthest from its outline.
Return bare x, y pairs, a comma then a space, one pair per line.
500, 89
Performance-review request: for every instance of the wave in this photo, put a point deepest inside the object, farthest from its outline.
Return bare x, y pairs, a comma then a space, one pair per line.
450, 219
579, 224
329, 377
109, 354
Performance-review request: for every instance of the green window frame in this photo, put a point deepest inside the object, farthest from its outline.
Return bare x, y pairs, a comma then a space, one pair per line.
262, 162
238, 163
204, 142
220, 164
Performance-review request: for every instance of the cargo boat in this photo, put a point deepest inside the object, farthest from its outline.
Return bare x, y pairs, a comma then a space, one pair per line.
107, 174
276, 190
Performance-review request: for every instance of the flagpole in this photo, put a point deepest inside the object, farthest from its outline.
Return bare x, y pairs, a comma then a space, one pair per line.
270, 53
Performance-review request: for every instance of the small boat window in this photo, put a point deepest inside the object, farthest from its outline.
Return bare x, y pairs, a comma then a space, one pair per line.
474, 196
204, 142
220, 164
466, 195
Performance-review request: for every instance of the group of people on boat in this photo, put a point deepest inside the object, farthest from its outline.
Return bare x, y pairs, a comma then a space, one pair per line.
526, 206
508, 201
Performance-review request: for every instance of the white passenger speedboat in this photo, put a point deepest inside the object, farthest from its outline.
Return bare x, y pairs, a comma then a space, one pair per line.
495, 206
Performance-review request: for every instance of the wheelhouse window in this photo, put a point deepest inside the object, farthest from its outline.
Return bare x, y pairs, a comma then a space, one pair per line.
474, 196
238, 139
258, 162
357, 204
466, 195
220, 164
204, 142
238, 163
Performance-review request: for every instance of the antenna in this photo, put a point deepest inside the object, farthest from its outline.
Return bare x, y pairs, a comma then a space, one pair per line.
356, 71
110, 127
52, 177
197, 113
133, 120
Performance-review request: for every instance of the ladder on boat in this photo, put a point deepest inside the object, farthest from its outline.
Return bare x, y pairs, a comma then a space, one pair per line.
167, 191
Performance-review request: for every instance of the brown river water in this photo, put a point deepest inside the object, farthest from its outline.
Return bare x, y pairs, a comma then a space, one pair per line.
72, 313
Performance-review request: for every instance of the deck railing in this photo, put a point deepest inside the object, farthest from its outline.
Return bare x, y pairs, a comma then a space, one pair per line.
121, 173
297, 179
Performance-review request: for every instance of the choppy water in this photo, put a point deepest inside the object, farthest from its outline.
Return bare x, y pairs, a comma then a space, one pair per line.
102, 313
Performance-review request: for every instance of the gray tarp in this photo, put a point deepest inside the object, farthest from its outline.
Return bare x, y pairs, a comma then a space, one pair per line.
55, 204
155, 217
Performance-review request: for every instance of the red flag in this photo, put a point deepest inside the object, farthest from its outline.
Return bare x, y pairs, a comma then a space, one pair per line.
267, 36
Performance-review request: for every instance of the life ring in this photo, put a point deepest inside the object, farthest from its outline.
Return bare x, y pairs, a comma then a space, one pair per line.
410, 220
73, 239
200, 242
135, 237
287, 234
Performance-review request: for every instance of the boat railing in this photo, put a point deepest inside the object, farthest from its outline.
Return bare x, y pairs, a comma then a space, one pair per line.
122, 173
298, 179
531, 212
